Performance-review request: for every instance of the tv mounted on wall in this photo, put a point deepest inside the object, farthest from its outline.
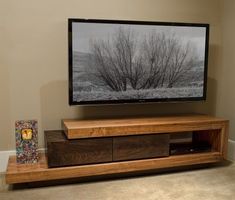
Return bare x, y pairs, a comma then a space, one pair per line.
114, 61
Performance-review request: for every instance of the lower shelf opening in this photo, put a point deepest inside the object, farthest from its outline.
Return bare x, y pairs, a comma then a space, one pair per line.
189, 148
205, 141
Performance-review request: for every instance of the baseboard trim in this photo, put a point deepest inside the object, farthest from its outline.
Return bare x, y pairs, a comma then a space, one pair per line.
4, 156
231, 150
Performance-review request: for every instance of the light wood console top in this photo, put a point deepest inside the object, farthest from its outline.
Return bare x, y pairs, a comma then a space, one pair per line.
75, 129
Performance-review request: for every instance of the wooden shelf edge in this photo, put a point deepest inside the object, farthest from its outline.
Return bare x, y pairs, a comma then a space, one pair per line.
20, 173
76, 129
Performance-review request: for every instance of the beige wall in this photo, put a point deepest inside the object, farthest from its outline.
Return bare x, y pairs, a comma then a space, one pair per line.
33, 65
226, 91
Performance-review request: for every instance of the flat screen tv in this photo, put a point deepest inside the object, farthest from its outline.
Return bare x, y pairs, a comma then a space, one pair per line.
114, 61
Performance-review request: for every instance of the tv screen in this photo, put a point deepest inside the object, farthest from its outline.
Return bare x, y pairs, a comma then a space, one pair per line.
113, 61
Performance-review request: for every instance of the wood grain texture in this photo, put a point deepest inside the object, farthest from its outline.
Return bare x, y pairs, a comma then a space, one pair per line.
140, 146
207, 128
224, 139
75, 129
64, 152
17, 173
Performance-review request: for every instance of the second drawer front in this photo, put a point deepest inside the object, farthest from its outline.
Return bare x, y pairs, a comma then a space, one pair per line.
140, 147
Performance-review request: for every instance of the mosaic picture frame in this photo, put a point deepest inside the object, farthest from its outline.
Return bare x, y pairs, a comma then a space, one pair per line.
26, 133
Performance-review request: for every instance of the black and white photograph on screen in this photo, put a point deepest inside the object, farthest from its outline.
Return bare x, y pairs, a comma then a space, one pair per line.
112, 61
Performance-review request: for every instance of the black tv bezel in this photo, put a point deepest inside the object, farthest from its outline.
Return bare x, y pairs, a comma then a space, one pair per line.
98, 102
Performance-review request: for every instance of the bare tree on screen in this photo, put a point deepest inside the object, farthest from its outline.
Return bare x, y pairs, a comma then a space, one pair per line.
128, 62
181, 61
113, 62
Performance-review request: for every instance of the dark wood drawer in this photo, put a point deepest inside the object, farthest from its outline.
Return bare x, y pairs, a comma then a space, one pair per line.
140, 147
64, 152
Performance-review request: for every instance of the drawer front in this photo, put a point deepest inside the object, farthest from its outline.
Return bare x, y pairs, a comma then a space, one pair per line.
140, 147
79, 152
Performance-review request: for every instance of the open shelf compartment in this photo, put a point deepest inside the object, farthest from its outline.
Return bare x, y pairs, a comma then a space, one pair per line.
195, 142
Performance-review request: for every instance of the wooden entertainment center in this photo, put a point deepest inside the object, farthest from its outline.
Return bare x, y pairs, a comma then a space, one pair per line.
112, 146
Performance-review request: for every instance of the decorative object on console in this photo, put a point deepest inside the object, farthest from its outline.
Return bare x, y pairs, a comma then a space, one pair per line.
26, 132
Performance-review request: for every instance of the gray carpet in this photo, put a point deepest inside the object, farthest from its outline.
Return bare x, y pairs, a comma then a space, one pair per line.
215, 182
